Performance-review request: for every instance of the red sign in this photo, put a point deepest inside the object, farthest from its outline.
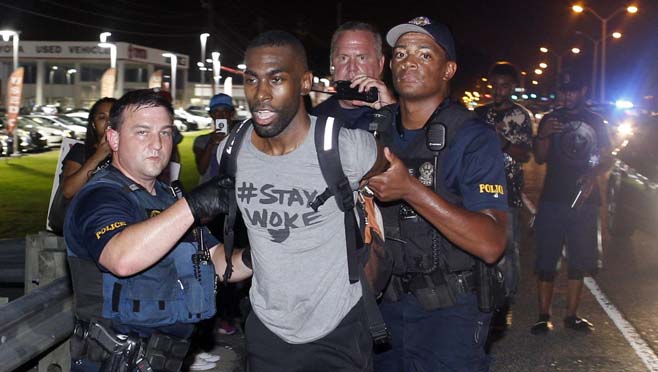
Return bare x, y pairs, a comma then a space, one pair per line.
14, 93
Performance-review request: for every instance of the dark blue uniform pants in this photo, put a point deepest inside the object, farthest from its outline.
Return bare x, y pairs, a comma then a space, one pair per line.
450, 339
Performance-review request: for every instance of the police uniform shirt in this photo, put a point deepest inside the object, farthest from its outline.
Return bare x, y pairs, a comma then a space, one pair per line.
105, 212
100, 215
473, 166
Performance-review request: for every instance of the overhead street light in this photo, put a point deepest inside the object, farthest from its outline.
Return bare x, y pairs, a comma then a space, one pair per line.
631, 9
595, 55
172, 86
70, 72
543, 65
103, 36
538, 71
559, 56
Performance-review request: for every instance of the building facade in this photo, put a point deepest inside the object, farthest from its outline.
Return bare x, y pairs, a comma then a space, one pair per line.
68, 73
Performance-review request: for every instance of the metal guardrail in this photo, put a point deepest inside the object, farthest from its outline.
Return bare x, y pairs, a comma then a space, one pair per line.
35, 323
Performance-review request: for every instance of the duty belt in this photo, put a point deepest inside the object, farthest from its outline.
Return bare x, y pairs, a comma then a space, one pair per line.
461, 282
127, 353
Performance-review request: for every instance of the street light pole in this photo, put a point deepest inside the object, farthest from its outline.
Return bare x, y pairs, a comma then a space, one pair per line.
604, 32
172, 85
113, 47
6, 34
113, 53
203, 38
216, 71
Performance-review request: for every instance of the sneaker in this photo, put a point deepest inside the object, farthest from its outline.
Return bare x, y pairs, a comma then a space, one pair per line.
225, 328
578, 324
201, 365
542, 326
208, 357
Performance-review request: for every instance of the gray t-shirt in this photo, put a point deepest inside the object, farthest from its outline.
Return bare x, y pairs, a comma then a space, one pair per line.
300, 288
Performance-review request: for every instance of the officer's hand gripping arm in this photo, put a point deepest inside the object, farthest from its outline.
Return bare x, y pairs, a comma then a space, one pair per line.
210, 199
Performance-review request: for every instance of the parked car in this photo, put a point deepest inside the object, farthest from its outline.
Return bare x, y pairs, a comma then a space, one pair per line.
81, 114
51, 134
70, 128
200, 118
29, 141
633, 184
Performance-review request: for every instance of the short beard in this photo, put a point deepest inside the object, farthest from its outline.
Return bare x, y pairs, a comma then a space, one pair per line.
271, 130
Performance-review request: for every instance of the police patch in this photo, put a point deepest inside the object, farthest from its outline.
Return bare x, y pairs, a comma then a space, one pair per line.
492, 189
110, 227
153, 212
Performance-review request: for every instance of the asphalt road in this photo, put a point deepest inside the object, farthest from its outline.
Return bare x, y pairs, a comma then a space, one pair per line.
628, 279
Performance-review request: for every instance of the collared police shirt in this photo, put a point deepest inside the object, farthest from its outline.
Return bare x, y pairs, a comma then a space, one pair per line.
474, 167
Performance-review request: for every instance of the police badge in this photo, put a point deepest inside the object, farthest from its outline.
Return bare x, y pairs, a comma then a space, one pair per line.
426, 174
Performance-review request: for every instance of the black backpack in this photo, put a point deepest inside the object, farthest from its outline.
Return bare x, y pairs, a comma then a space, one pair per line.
358, 253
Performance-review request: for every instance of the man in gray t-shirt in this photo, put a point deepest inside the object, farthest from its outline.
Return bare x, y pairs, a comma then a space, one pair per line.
307, 315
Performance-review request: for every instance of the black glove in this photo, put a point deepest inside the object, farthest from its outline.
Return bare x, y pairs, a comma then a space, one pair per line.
210, 198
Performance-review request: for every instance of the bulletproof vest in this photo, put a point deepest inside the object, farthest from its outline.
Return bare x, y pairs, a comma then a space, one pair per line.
174, 290
417, 246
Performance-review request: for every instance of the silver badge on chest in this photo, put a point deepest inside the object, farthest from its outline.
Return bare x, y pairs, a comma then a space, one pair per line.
426, 174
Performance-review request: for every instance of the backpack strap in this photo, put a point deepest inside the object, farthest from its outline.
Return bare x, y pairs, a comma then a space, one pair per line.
228, 167
326, 144
327, 130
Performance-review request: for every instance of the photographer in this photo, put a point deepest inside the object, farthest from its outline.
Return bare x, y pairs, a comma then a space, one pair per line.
356, 57
221, 111
574, 144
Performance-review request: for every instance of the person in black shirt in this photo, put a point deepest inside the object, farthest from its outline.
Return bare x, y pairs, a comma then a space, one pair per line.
83, 160
574, 144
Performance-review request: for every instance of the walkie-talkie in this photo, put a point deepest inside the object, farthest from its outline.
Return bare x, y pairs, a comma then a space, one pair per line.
436, 137
436, 141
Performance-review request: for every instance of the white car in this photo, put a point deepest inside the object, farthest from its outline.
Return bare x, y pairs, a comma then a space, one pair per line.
71, 128
203, 122
51, 134
84, 115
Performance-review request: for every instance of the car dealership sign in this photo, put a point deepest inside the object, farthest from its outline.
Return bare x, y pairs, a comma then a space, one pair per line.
80, 50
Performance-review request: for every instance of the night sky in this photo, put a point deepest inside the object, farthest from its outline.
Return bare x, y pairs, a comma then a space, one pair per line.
486, 31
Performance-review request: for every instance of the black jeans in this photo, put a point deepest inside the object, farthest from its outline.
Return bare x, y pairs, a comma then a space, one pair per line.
346, 348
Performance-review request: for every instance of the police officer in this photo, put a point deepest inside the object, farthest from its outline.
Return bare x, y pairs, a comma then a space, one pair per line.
141, 277
445, 212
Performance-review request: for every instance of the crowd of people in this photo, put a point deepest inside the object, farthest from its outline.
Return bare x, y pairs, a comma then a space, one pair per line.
274, 206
